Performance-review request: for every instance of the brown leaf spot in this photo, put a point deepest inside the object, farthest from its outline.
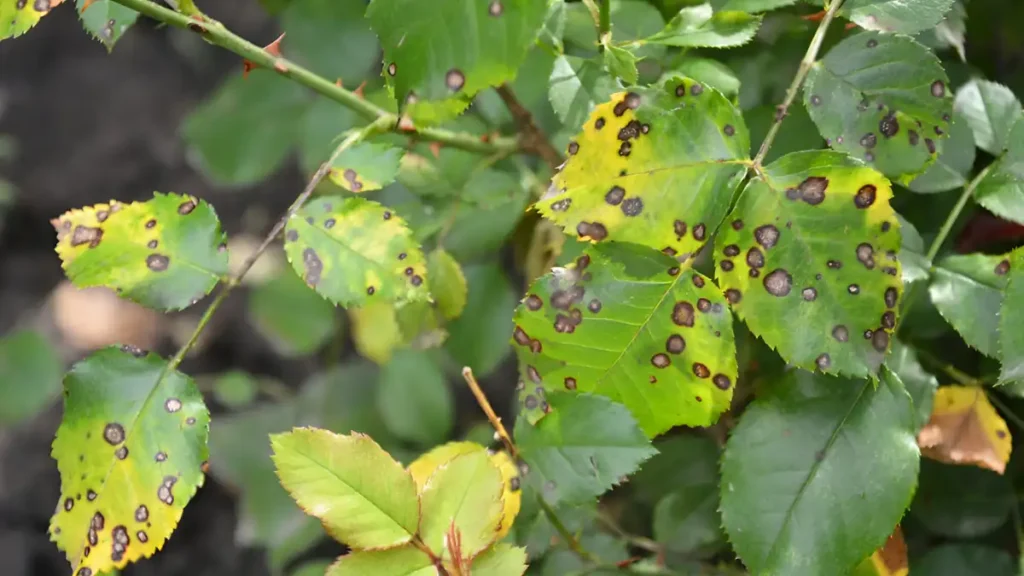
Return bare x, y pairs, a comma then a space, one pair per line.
812, 190
823, 362
113, 433
313, 266
570, 383
1003, 267
172, 405
891, 295
778, 282
86, 235
675, 344
157, 262
187, 207
755, 259
495, 8
880, 340
721, 381
660, 360
733, 295
594, 230
767, 236
841, 333
700, 370
938, 89
533, 302
632, 207
683, 313
865, 197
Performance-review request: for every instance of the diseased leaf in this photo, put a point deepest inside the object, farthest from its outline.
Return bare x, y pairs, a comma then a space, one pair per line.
18, 16
354, 251
1011, 323
946, 508
818, 472
824, 300
415, 401
968, 291
435, 72
991, 110
920, 384
586, 445
657, 166
363, 496
402, 561
953, 166
105, 20
1001, 191
965, 429
501, 560
165, 253
447, 283
628, 323
366, 166
897, 16
965, 560
889, 560
884, 99
130, 451
712, 73
465, 492
31, 372
577, 86
621, 63
701, 27
294, 318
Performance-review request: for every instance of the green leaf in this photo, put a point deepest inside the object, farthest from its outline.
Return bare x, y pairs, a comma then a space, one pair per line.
586, 445
447, 283
577, 87
363, 496
464, 493
961, 501
964, 560
1011, 323
415, 401
376, 331
621, 63
953, 166
165, 253
485, 213
687, 521
700, 27
402, 561
17, 17
312, 568
501, 560
666, 351
235, 389
291, 316
712, 73
366, 166
991, 110
479, 338
920, 384
318, 31
105, 20
1001, 191
31, 372
912, 261
630, 19
897, 16
681, 461
755, 6
657, 166
968, 291
825, 301
818, 472
353, 251
244, 132
884, 99
130, 450
436, 72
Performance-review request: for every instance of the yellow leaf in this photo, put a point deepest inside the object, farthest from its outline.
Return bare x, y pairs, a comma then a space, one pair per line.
375, 331
17, 17
889, 560
965, 429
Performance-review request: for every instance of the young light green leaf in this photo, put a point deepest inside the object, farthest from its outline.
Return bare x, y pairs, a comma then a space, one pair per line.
968, 291
953, 166
447, 283
577, 86
1011, 322
436, 72
363, 496
464, 493
366, 166
402, 561
965, 560
294, 318
105, 20
701, 27
501, 560
920, 384
479, 338
31, 375
656, 166
1001, 191
165, 253
710, 72
376, 331
353, 251
897, 16
17, 17
781, 262
884, 99
818, 472
130, 451
415, 401
621, 64
991, 110
583, 447
666, 351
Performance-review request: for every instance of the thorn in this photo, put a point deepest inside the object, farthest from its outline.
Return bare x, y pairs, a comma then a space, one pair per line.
274, 49
485, 138
359, 91
435, 149
339, 83
405, 124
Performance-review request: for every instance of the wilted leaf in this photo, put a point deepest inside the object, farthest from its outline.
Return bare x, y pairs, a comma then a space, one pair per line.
1011, 323
657, 166
366, 166
884, 99
165, 253
415, 401
31, 373
17, 16
968, 291
354, 251
578, 85
105, 20
783, 265
818, 472
701, 27
953, 166
405, 560
582, 448
464, 493
130, 452
966, 429
1002, 189
889, 560
447, 283
293, 317
991, 110
363, 496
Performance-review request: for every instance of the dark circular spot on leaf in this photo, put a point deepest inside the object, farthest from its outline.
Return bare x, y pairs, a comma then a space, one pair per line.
778, 282
767, 235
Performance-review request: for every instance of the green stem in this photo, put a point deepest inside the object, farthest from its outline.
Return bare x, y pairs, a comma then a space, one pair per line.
810, 57
570, 539
947, 226
604, 25
216, 33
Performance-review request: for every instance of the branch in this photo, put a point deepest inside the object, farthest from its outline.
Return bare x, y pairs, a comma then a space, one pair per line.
481, 399
532, 138
216, 33
810, 57
605, 21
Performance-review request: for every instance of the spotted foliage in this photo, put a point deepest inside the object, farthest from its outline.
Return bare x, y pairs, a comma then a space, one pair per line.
18, 16
893, 15
366, 166
438, 55
106, 20
1011, 323
631, 324
967, 290
657, 166
354, 251
824, 300
131, 451
165, 253
884, 99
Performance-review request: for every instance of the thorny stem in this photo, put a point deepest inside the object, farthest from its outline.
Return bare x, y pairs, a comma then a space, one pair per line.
492, 417
805, 67
216, 33
532, 138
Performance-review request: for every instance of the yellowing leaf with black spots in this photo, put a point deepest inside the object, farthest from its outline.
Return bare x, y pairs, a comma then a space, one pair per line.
439, 54
809, 261
363, 496
464, 494
657, 166
165, 253
354, 251
884, 99
405, 560
366, 166
447, 283
18, 16
966, 429
130, 450
629, 323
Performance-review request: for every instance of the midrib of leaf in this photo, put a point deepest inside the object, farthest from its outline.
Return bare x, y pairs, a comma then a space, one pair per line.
812, 473
340, 242
970, 279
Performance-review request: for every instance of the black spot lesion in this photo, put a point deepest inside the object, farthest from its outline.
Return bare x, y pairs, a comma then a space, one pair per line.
812, 190
86, 235
313, 267
158, 262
